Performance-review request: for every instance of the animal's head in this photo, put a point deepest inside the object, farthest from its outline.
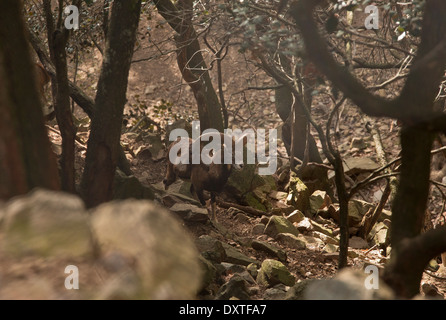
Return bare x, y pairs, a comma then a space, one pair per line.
222, 148
170, 172
178, 152
169, 179
238, 152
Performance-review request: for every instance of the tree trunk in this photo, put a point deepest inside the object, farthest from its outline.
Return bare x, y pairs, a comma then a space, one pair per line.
409, 207
76, 93
13, 179
295, 138
414, 106
63, 113
26, 158
103, 144
57, 40
191, 62
284, 103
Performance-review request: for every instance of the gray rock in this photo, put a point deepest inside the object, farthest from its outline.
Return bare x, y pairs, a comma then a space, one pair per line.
256, 200
358, 143
242, 218
325, 238
236, 256
433, 265
430, 291
330, 248
356, 165
318, 200
291, 241
252, 269
296, 216
245, 275
126, 187
167, 259
357, 243
190, 212
181, 187
311, 243
209, 273
150, 89
278, 195
243, 181
230, 268
320, 228
171, 198
115, 261
297, 291
211, 248
46, 223
278, 292
356, 211
124, 286
273, 272
236, 287
385, 214
270, 249
168, 200
258, 229
381, 234
299, 194
348, 284
304, 225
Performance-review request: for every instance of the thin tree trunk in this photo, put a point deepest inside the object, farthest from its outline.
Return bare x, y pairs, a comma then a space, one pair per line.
191, 62
414, 106
63, 115
409, 206
103, 144
57, 40
76, 93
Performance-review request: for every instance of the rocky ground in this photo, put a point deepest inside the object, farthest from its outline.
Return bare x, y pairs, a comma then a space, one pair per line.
172, 250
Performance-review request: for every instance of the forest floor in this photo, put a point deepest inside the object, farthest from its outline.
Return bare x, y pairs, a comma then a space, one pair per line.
156, 90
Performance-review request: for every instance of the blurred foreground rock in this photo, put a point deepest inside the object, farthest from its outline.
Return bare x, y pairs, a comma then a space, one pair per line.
131, 249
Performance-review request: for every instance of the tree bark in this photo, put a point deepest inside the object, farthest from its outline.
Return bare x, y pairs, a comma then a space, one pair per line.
414, 106
295, 129
26, 158
57, 40
191, 62
76, 93
405, 270
13, 179
103, 144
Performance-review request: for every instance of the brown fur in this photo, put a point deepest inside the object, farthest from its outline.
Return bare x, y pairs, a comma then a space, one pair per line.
212, 177
182, 171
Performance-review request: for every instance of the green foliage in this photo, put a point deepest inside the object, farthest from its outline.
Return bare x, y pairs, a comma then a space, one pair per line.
411, 19
349, 5
261, 31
